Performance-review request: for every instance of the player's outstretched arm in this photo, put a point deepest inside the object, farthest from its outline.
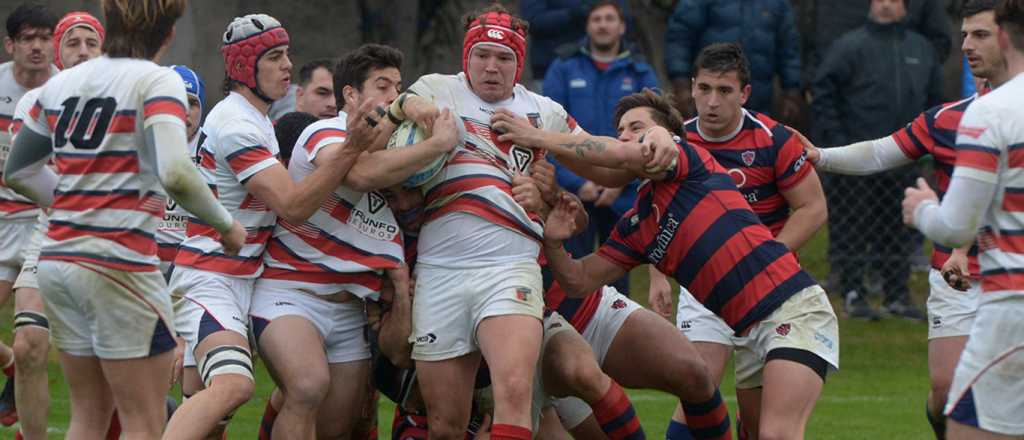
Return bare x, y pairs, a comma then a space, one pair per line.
857, 159
955, 221
577, 277
643, 160
389, 167
297, 201
26, 171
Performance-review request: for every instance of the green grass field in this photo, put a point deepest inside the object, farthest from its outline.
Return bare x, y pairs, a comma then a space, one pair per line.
878, 394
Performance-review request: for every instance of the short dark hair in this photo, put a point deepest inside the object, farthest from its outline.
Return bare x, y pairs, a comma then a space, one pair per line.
602, 3
975, 7
517, 22
30, 15
1010, 17
661, 109
723, 58
306, 71
355, 67
287, 131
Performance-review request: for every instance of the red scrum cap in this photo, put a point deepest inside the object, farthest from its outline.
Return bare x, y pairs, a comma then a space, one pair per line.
245, 41
495, 28
70, 21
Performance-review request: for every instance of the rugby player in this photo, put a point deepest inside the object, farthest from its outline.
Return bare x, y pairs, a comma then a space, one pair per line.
986, 397
238, 159
477, 275
692, 223
77, 38
766, 162
315, 94
28, 42
319, 273
171, 231
952, 305
108, 303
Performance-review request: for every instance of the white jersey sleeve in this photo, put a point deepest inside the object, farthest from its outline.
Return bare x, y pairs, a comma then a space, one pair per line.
240, 147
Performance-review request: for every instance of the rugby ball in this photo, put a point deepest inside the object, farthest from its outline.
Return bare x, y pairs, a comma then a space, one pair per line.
406, 134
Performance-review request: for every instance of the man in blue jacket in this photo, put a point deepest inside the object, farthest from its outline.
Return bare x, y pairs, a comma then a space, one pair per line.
588, 82
766, 31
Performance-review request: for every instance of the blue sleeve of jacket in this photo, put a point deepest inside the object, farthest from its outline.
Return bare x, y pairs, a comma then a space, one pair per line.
549, 22
649, 80
685, 27
565, 178
555, 86
788, 42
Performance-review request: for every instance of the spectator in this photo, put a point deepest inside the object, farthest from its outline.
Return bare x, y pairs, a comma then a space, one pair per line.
553, 24
873, 80
765, 29
588, 83
833, 18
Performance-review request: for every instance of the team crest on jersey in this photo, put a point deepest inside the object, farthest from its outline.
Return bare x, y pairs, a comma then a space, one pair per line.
748, 157
782, 329
376, 202
534, 119
521, 159
523, 293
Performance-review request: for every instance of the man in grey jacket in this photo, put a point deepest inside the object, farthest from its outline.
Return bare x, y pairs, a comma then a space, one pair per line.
873, 80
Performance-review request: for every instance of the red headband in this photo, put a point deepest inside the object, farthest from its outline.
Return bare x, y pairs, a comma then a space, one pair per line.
70, 21
495, 28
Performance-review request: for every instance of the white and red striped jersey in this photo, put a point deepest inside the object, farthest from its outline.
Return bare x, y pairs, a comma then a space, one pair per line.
108, 200
171, 231
13, 206
239, 143
346, 243
990, 148
477, 178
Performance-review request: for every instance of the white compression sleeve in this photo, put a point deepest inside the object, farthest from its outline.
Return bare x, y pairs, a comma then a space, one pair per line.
863, 158
955, 222
181, 179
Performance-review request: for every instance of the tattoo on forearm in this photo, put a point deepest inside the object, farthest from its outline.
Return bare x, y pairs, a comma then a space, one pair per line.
582, 148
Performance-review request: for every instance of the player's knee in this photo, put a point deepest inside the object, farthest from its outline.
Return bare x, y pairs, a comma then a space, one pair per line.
779, 431
228, 369
446, 427
308, 390
583, 376
30, 349
690, 375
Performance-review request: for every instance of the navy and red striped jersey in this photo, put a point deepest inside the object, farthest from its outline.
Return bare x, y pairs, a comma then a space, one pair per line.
763, 158
695, 226
934, 132
577, 311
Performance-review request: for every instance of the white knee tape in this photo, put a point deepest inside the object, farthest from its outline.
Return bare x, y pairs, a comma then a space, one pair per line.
225, 359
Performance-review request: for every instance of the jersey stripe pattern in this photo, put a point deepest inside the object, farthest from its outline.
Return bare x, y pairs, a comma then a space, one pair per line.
171, 231
698, 228
763, 159
990, 148
477, 179
239, 143
934, 132
346, 243
108, 201
13, 206
577, 311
